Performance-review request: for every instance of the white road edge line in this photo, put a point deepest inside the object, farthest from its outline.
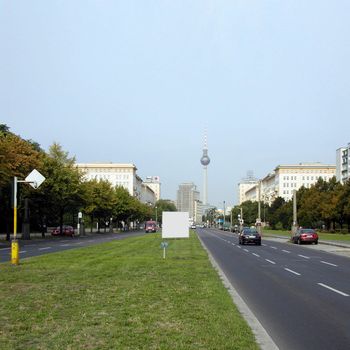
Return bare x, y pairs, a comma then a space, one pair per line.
327, 263
270, 261
291, 271
333, 290
286, 251
262, 337
303, 256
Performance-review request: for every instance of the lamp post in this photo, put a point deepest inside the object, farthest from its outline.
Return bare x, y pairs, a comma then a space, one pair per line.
224, 216
156, 214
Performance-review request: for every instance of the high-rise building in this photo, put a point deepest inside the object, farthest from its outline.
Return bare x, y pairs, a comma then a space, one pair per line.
205, 160
343, 163
246, 184
187, 194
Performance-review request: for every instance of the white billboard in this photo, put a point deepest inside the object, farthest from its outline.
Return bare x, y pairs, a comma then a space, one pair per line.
175, 224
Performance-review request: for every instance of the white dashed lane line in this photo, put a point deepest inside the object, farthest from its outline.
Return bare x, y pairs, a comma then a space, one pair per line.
291, 271
65, 245
303, 256
257, 255
286, 251
246, 250
273, 247
5, 248
270, 261
328, 263
23, 251
45, 248
333, 289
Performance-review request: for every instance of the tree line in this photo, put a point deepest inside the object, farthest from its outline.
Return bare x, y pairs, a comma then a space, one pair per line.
64, 193
325, 205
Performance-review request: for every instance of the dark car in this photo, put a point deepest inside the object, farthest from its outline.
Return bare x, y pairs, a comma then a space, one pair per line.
66, 231
305, 235
249, 235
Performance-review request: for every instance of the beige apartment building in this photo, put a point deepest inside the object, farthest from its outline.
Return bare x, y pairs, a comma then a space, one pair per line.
286, 178
118, 174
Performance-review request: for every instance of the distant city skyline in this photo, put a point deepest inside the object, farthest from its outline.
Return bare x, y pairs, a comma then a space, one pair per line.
134, 82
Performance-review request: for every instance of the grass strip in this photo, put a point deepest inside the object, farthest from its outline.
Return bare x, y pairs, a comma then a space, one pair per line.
120, 295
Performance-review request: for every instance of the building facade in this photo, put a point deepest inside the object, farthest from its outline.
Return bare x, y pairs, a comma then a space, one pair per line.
187, 195
287, 178
245, 185
123, 175
343, 164
153, 182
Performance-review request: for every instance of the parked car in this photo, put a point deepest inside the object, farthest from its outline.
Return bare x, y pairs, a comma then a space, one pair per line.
249, 235
66, 231
150, 226
193, 226
305, 235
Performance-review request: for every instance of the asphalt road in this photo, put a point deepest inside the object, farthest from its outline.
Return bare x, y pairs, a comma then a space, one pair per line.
50, 244
301, 296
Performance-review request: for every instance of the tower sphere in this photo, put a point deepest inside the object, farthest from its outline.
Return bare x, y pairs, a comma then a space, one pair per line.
205, 160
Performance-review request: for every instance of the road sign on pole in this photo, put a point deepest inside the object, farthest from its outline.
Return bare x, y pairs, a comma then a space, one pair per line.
35, 179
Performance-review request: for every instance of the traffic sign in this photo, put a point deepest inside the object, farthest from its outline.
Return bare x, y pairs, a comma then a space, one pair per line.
35, 179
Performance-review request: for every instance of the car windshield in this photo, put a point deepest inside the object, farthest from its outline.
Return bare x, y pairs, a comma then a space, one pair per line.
307, 231
250, 232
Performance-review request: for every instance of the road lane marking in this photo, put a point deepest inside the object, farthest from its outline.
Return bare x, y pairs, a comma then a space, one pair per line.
273, 247
239, 247
65, 245
5, 248
246, 250
79, 242
303, 256
286, 251
327, 263
45, 248
333, 289
291, 271
91, 240
257, 255
232, 243
23, 251
270, 261
264, 245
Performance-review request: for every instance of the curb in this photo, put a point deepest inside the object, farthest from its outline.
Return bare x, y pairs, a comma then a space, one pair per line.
263, 339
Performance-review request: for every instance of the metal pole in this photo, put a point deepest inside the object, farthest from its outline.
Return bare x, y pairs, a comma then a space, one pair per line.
14, 243
295, 219
224, 214
259, 208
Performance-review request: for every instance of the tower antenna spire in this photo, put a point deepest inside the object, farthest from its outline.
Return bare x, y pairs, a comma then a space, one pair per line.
205, 160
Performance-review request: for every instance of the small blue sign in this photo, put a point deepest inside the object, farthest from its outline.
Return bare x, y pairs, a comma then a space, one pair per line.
164, 245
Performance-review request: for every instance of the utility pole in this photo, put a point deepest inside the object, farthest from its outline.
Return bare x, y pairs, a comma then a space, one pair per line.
224, 215
295, 219
258, 220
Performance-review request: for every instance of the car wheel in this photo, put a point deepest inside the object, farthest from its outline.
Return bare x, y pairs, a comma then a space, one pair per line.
299, 241
316, 242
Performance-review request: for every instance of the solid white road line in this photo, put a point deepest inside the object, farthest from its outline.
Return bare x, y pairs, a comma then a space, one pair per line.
45, 248
295, 273
334, 290
257, 255
286, 251
303, 256
270, 261
327, 263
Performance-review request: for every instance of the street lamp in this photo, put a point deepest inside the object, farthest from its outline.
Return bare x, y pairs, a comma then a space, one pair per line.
224, 215
156, 213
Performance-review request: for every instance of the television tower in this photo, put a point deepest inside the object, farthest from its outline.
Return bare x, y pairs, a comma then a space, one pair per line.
205, 160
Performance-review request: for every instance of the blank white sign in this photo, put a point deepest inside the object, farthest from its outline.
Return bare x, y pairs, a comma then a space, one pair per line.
175, 224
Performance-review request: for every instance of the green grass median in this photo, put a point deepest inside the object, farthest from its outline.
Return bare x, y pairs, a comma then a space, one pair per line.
120, 295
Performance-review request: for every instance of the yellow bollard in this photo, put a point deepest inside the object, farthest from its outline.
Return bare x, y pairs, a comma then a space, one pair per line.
14, 252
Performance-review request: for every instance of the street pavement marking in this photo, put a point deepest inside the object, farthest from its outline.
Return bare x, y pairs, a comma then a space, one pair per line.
246, 250
65, 245
45, 248
264, 245
5, 248
270, 261
303, 256
23, 251
295, 273
273, 247
257, 255
239, 247
232, 243
91, 240
327, 263
286, 251
334, 290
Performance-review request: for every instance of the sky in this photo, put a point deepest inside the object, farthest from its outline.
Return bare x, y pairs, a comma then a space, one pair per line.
140, 82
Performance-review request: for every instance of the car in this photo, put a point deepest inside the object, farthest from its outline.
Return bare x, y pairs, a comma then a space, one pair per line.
249, 235
305, 235
193, 227
150, 226
66, 231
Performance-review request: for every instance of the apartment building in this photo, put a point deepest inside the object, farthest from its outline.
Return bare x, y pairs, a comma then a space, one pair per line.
245, 185
153, 182
118, 174
287, 178
187, 195
343, 163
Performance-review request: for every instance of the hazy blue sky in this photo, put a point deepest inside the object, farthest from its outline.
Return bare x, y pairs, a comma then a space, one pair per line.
139, 81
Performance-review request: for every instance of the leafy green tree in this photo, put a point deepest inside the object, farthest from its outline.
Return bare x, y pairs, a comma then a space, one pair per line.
163, 205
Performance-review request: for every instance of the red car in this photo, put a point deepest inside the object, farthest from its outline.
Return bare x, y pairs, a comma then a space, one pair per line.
150, 226
66, 231
305, 235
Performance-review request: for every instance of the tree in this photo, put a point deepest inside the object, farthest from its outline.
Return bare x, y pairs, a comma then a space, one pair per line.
164, 205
